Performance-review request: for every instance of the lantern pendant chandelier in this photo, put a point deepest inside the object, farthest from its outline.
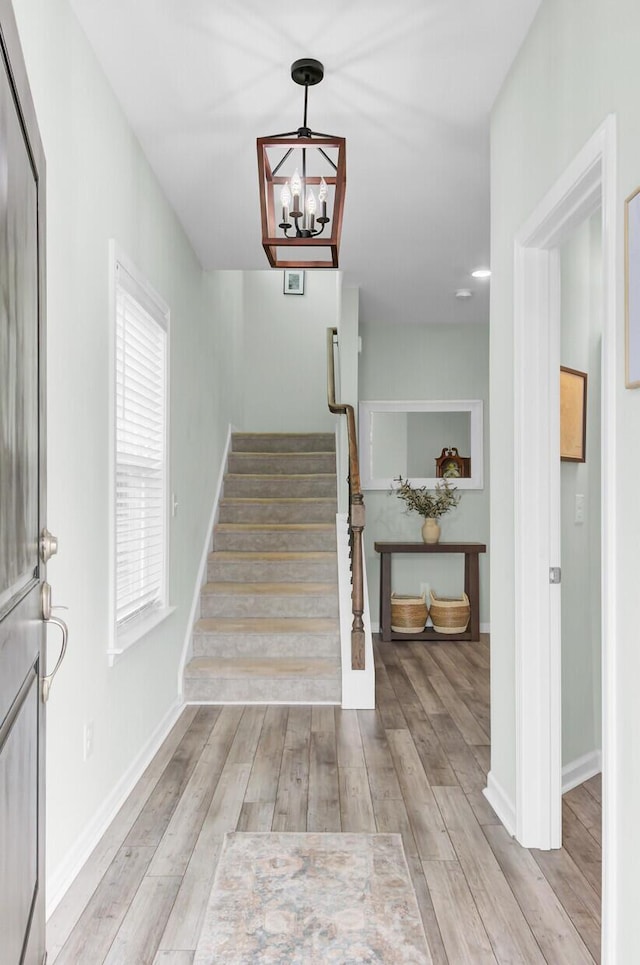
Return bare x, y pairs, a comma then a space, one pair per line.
298, 226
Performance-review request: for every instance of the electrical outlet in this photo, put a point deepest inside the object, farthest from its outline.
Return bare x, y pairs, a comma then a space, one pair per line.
579, 514
88, 740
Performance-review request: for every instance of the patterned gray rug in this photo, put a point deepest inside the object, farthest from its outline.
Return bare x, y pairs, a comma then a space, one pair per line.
312, 898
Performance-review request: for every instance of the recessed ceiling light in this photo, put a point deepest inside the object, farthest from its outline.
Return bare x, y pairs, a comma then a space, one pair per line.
463, 293
481, 273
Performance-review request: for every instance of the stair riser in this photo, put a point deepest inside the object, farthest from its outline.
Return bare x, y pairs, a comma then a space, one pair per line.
271, 542
321, 645
271, 571
237, 605
322, 486
295, 690
285, 442
272, 512
271, 463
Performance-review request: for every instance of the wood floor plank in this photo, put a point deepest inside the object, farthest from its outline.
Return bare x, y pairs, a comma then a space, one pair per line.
586, 809
427, 912
583, 848
263, 783
465, 939
506, 926
174, 851
139, 935
256, 816
461, 756
66, 915
356, 806
245, 742
549, 922
578, 898
174, 958
431, 752
292, 796
185, 921
98, 925
466, 723
485, 815
374, 740
426, 821
163, 800
323, 808
594, 787
348, 738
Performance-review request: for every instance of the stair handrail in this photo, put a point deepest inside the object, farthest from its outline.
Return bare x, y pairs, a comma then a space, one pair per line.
356, 510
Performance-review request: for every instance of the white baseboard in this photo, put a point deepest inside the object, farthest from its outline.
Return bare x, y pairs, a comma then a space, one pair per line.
202, 569
580, 770
60, 879
501, 803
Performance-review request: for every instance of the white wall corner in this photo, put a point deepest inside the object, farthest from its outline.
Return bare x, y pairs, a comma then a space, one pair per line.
580, 770
187, 648
358, 686
60, 879
501, 803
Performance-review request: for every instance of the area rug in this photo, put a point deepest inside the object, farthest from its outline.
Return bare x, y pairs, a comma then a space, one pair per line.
307, 899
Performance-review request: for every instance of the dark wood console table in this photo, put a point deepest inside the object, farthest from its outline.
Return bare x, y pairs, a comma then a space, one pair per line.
471, 587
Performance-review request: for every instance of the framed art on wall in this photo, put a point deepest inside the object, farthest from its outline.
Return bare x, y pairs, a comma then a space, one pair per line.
573, 415
632, 289
293, 282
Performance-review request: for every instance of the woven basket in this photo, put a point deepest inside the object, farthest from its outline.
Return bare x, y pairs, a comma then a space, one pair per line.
450, 616
408, 613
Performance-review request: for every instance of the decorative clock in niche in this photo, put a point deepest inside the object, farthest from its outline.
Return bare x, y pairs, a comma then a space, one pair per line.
451, 465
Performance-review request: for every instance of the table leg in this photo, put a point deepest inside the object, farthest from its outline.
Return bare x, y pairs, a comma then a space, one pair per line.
472, 589
385, 596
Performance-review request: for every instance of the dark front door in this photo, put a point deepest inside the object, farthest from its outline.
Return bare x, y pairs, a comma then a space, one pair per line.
22, 449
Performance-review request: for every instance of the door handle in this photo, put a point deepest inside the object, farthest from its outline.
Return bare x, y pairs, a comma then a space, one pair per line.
47, 616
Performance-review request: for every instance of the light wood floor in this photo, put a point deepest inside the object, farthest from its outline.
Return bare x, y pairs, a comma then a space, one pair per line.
416, 765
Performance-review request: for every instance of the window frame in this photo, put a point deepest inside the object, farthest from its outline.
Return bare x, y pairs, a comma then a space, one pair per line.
124, 636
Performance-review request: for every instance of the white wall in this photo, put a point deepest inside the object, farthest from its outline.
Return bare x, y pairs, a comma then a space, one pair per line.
423, 362
576, 66
581, 337
285, 358
99, 186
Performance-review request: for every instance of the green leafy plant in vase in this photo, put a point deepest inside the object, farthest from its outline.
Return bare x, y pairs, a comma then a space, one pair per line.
431, 504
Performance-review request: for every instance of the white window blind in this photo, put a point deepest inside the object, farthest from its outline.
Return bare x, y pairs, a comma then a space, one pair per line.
140, 449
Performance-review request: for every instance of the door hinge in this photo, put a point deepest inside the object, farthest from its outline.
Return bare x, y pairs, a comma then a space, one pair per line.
555, 574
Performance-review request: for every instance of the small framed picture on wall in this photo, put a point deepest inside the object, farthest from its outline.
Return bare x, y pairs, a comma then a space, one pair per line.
573, 415
293, 282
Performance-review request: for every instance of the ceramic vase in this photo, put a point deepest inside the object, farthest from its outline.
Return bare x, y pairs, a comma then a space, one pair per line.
430, 531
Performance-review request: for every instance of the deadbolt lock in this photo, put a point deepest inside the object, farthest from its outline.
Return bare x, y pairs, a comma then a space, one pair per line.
48, 545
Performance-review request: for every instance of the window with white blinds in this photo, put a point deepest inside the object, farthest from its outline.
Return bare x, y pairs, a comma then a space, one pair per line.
140, 449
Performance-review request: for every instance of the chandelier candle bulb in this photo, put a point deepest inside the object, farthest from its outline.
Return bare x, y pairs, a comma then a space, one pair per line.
285, 200
311, 209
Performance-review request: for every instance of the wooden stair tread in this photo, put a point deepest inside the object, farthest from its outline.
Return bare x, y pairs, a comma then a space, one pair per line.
264, 500
271, 667
296, 625
268, 555
284, 527
268, 589
297, 476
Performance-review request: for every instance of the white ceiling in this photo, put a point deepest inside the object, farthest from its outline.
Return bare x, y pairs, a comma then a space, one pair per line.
409, 84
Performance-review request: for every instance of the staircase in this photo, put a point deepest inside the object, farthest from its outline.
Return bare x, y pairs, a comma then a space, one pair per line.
268, 630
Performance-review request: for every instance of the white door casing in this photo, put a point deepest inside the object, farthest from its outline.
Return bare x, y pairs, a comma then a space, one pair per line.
588, 184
